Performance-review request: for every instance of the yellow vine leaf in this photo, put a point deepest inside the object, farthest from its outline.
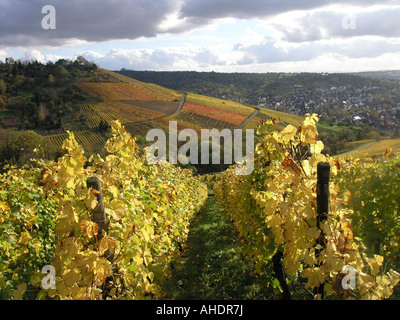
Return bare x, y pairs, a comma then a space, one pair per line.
102, 269
317, 147
19, 292
24, 238
78, 293
4, 206
63, 226
89, 227
71, 277
63, 290
288, 133
314, 232
107, 243
91, 201
116, 209
315, 277
374, 263
114, 191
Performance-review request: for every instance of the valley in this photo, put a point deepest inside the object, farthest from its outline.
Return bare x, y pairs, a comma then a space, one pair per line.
80, 97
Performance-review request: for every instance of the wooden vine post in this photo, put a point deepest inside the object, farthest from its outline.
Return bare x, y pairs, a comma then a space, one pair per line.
98, 213
323, 176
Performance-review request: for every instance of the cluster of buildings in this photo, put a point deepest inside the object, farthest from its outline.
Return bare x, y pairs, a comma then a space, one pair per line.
344, 105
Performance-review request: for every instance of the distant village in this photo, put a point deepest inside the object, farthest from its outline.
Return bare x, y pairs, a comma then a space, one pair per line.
341, 105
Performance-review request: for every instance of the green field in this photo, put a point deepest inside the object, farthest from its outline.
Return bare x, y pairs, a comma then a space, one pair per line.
370, 148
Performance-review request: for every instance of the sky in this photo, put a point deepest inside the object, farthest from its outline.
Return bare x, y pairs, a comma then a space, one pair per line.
206, 35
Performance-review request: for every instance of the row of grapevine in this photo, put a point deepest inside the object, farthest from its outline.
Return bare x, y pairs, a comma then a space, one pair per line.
148, 212
124, 112
370, 187
96, 113
153, 91
56, 139
107, 113
91, 140
119, 91
196, 121
27, 224
274, 211
93, 119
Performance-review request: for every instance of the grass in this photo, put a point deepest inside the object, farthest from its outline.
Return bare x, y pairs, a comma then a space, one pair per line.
212, 266
372, 148
231, 106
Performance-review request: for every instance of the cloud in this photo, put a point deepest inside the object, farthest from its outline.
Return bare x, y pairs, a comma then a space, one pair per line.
104, 20
206, 57
3, 55
90, 20
212, 9
265, 32
270, 51
168, 59
341, 23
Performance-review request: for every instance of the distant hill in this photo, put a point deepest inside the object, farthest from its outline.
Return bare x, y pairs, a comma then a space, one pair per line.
390, 75
249, 85
351, 106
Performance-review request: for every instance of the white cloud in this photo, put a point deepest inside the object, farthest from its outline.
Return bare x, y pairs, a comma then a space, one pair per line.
34, 54
166, 59
219, 35
337, 22
3, 55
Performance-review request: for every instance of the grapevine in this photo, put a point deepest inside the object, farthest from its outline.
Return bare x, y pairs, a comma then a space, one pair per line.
274, 209
148, 212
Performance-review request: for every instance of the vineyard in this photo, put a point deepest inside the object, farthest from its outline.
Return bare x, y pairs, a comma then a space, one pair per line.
275, 211
141, 107
127, 89
108, 225
110, 91
125, 113
51, 221
201, 112
91, 140
119, 238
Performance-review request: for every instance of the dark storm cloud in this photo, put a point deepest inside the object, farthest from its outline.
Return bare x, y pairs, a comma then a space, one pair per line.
212, 9
91, 20
102, 20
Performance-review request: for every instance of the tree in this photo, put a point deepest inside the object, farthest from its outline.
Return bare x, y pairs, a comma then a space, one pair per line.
3, 87
81, 61
10, 60
51, 80
18, 146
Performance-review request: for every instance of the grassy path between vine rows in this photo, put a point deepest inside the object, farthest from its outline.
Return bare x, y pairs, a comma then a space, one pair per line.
212, 266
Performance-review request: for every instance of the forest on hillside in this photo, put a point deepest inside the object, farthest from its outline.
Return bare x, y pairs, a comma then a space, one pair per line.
36, 99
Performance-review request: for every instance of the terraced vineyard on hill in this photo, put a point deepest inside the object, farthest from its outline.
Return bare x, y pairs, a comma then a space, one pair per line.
141, 107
